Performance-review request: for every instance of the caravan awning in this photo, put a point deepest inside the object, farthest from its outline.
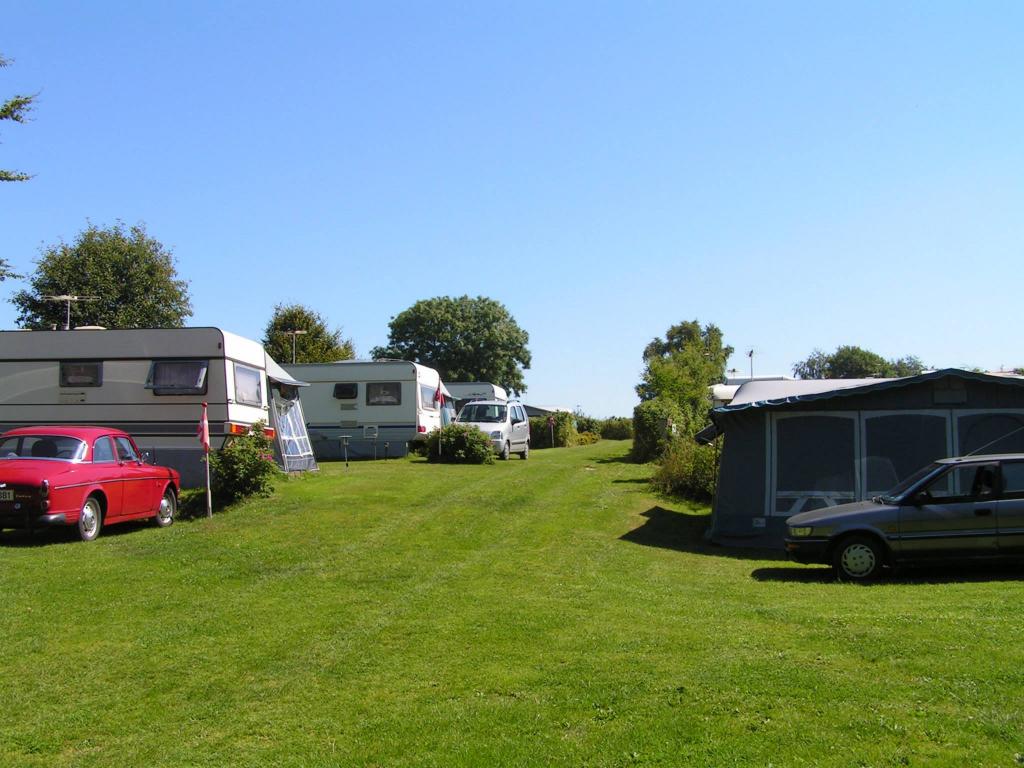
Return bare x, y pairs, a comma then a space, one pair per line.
276, 373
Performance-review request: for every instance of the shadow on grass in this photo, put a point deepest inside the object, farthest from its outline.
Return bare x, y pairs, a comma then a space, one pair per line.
668, 529
635, 480
951, 573
624, 459
63, 534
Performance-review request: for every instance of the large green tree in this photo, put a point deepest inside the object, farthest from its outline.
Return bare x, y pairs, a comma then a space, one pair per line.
319, 344
16, 109
122, 277
852, 362
681, 366
465, 339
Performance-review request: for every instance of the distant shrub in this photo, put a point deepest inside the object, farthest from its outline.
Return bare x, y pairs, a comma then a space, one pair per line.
459, 444
687, 469
587, 438
243, 467
565, 431
655, 425
586, 423
617, 428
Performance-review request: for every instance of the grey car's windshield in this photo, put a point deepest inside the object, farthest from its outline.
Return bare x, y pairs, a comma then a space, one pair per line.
894, 494
478, 412
59, 447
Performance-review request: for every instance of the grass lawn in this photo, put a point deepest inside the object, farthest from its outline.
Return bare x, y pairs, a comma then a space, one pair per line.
547, 612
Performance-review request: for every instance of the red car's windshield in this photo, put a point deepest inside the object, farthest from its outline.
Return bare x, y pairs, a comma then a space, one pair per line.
59, 447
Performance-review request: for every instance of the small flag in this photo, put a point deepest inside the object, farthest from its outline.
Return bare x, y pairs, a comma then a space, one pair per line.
439, 396
203, 432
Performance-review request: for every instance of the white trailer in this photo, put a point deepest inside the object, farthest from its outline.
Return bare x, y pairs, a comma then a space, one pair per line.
375, 407
467, 391
151, 383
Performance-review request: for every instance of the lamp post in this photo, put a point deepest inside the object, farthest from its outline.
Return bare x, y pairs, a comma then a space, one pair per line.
293, 333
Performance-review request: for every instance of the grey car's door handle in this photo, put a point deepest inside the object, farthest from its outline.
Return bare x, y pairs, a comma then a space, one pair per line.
982, 512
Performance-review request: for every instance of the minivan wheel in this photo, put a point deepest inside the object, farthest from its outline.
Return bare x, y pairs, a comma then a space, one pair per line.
525, 454
858, 558
505, 452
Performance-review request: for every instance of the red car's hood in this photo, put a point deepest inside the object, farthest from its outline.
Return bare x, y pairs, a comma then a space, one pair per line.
34, 471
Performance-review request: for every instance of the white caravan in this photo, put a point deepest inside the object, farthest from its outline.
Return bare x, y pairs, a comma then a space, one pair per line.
374, 407
467, 391
151, 383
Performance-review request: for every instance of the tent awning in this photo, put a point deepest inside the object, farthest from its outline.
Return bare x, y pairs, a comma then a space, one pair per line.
276, 373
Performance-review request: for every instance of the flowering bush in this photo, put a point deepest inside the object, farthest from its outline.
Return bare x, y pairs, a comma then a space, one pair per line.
243, 467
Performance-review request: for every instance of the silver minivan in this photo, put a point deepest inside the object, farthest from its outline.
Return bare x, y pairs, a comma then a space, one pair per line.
505, 423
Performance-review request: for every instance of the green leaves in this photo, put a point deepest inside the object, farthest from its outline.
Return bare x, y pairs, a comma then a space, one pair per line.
318, 344
465, 339
16, 109
129, 277
852, 362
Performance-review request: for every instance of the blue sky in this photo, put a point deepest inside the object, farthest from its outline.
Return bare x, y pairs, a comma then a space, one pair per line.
801, 174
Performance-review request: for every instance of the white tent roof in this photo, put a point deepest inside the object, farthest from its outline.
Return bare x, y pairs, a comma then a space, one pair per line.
759, 391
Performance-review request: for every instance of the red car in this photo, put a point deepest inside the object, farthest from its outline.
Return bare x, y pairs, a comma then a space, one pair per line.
84, 476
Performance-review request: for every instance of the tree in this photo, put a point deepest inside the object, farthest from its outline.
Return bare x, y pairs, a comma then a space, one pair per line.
317, 345
15, 109
684, 364
465, 339
124, 278
674, 389
851, 362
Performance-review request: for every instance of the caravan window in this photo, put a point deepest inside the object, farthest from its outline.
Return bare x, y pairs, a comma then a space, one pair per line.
248, 385
81, 374
178, 377
346, 390
427, 397
384, 393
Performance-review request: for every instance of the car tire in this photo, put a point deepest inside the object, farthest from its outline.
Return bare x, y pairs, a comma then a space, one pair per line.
525, 454
858, 558
90, 519
505, 451
167, 510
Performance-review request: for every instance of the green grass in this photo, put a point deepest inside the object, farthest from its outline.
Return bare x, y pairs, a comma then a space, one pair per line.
548, 612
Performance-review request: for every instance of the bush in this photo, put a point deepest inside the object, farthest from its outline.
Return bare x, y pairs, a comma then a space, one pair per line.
565, 431
243, 467
586, 423
617, 428
459, 444
587, 438
655, 425
687, 469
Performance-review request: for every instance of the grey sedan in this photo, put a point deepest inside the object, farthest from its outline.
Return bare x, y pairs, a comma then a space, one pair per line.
953, 509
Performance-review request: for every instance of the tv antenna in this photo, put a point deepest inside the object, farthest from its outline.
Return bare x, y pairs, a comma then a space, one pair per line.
68, 300
750, 354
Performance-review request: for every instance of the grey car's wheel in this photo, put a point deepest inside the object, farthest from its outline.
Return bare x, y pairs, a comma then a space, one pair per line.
858, 558
525, 453
167, 509
90, 519
505, 450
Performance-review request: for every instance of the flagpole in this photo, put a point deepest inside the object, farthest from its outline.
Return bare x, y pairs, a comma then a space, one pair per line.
204, 437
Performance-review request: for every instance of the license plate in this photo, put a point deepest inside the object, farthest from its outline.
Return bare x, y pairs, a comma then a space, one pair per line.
6, 495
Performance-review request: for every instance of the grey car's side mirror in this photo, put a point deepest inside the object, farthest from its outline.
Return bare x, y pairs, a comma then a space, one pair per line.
920, 498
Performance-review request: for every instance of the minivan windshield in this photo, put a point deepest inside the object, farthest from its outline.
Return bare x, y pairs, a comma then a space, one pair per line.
894, 494
59, 447
482, 412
